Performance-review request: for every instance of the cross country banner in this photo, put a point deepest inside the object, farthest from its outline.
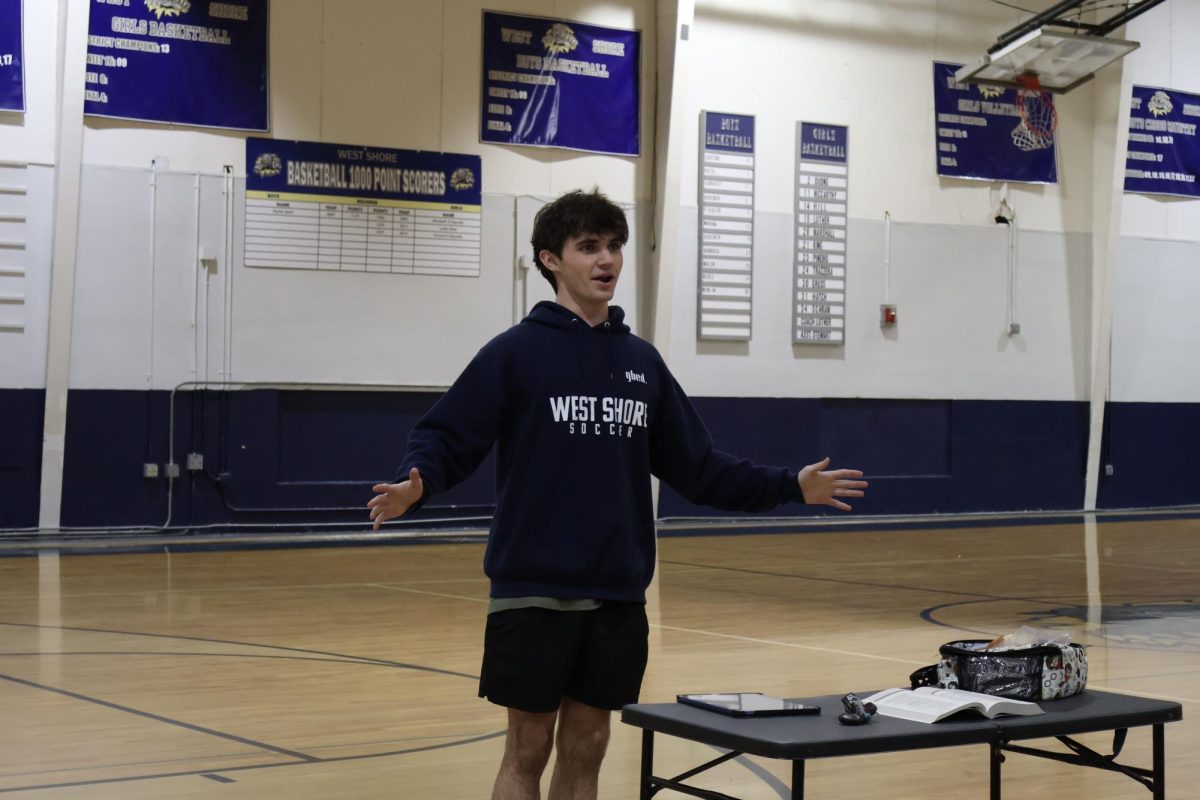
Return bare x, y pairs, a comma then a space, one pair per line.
12, 59
980, 134
1163, 155
558, 83
183, 62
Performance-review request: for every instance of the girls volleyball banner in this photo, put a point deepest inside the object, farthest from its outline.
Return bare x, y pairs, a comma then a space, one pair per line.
1163, 156
12, 61
557, 83
185, 62
981, 136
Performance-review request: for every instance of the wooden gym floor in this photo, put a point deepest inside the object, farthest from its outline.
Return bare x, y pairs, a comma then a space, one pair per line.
350, 672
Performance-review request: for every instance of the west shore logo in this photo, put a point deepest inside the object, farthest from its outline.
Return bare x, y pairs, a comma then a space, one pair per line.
170, 8
462, 179
599, 416
268, 165
1160, 104
559, 39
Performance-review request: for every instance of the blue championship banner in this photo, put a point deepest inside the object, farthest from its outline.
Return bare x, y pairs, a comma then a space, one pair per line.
1163, 156
981, 136
321, 206
184, 62
12, 60
555, 83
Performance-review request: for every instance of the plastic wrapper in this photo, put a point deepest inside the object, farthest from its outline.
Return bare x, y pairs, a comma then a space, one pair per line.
1026, 636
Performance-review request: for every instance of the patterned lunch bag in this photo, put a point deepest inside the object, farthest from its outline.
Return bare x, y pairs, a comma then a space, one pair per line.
1041, 672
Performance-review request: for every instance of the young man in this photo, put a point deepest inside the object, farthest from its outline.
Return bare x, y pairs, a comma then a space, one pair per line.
584, 413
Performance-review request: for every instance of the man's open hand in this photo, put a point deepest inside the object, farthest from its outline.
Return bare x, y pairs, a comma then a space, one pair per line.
395, 499
826, 487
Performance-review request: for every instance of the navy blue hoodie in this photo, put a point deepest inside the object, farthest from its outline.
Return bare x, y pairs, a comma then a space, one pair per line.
582, 417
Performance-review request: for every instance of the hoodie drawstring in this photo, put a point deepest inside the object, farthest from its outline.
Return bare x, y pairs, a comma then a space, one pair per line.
608, 348
580, 345
582, 332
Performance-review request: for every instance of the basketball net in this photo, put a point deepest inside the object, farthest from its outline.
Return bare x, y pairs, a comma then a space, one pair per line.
1039, 120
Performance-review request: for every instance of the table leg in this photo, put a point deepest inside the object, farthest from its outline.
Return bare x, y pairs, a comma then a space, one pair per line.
646, 790
1160, 767
798, 779
996, 760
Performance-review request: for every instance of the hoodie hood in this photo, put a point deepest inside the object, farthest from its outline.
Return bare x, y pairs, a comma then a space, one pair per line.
550, 313
593, 354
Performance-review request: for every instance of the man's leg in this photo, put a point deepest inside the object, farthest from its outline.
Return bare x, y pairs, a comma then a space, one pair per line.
582, 739
526, 751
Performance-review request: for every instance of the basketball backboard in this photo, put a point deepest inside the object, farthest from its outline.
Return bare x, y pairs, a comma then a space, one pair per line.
1060, 59
1059, 48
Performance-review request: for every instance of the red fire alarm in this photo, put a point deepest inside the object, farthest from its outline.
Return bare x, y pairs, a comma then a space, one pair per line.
887, 315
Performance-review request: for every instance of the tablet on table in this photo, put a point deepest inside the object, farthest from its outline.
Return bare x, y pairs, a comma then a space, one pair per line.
748, 704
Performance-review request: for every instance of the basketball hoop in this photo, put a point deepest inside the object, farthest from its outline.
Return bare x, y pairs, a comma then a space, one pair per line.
1039, 120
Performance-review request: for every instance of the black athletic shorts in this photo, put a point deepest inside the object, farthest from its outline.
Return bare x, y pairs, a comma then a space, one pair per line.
533, 657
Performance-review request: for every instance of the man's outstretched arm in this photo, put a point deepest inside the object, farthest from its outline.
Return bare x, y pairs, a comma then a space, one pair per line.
450, 441
683, 456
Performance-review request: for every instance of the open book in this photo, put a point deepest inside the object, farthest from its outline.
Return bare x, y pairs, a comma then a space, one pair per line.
930, 704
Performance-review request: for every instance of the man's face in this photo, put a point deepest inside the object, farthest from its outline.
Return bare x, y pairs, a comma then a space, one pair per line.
587, 271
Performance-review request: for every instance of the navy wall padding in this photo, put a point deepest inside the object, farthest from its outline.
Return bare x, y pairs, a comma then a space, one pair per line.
1154, 449
275, 457
110, 434
307, 457
22, 415
920, 456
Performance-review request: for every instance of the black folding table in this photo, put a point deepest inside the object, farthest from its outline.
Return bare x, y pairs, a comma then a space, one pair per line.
800, 738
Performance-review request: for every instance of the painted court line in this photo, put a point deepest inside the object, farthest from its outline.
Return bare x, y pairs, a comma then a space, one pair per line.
167, 720
187, 773
424, 591
358, 659
794, 645
272, 588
